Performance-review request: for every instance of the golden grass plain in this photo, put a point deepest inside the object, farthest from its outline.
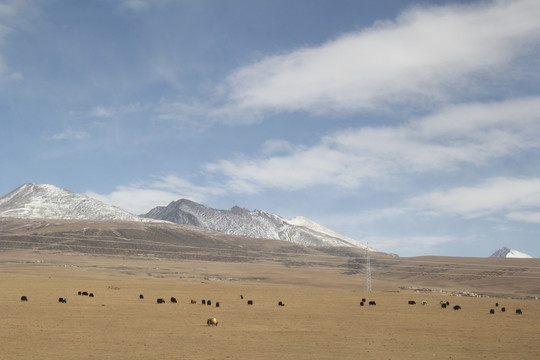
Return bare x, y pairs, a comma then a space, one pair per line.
322, 317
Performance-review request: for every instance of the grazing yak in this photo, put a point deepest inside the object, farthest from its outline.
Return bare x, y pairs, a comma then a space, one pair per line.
361, 303
424, 302
91, 295
518, 312
372, 303
193, 301
443, 306
211, 322
141, 296
173, 300
491, 311
457, 307
203, 302
412, 302
208, 302
62, 300
250, 302
85, 293
503, 309
217, 303
281, 303
24, 298
79, 293
160, 301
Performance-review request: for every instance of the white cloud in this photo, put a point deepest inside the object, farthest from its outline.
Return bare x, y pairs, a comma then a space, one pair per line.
109, 112
524, 216
407, 245
278, 146
13, 14
139, 198
142, 5
6, 74
513, 196
426, 54
183, 114
100, 112
457, 135
70, 134
136, 5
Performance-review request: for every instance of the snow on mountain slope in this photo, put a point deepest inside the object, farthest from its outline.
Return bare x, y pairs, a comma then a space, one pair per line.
257, 223
310, 224
50, 202
509, 253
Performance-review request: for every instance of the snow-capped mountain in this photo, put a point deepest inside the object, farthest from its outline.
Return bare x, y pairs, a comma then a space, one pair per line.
50, 202
509, 253
37, 201
257, 223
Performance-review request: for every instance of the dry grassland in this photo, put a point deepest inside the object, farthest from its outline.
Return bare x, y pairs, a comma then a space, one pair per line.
321, 319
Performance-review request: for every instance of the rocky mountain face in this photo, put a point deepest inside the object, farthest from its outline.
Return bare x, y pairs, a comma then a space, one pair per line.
35, 201
509, 253
257, 223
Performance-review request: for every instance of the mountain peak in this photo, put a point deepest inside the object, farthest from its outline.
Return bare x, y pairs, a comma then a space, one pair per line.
256, 224
506, 252
50, 202
238, 210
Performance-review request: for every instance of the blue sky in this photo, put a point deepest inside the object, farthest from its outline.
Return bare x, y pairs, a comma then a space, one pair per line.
414, 126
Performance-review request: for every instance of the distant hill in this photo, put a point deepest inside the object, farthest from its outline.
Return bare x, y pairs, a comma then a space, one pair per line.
34, 201
509, 253
256, 224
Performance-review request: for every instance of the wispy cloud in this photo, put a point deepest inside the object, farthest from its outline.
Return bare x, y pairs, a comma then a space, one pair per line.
517, 199
109, 112
136, 5
141, 197
462, 134
7, 74
70, 134
428, 54
141, 5
525, 216
13, 14
407, 245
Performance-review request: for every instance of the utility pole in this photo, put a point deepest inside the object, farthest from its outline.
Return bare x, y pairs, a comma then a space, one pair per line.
368, 270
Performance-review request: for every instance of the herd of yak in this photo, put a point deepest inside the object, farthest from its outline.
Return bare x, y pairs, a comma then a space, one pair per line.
214, 322
445, 304
209, 322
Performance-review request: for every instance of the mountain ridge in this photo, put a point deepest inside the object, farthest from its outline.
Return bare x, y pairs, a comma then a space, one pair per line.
34, 201
50, 202
506, 252
256, 223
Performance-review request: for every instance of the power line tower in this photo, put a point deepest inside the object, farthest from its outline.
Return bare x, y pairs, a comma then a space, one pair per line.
368, 269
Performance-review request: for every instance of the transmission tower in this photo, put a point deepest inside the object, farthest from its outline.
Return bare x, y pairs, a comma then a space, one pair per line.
368, 269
